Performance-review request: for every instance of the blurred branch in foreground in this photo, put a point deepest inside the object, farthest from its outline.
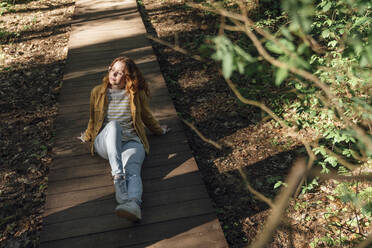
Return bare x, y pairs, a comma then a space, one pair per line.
281, 202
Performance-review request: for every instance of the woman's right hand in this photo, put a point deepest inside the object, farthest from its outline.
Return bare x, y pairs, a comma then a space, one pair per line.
165, 128
81, 138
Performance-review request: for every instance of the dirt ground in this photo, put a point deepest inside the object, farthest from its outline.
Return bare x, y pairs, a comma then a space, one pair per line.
33, 53
250, 142
202, 97
34, 36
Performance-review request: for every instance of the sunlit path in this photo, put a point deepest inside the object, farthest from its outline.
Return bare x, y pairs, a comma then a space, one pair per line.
80, 204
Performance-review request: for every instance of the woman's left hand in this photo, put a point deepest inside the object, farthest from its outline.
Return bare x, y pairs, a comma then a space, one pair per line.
165, 128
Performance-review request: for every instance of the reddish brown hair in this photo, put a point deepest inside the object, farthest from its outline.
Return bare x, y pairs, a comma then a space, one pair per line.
132, 75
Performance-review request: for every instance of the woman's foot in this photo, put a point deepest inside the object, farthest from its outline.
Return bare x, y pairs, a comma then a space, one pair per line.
129, 210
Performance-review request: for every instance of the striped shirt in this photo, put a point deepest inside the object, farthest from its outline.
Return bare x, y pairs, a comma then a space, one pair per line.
119, 110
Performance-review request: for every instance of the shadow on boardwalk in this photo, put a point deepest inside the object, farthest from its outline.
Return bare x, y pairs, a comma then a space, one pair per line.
80, 202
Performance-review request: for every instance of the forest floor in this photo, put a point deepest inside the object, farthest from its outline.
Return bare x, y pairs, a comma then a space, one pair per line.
201, 96
33, 50
252, 144
34, 37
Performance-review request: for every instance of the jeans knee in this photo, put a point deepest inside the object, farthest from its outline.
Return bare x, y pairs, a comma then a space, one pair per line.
132, 177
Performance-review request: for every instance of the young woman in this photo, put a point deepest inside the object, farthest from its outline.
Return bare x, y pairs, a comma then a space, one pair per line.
118, 112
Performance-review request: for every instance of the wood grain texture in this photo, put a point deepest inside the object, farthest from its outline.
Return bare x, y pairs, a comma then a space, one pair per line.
79, 209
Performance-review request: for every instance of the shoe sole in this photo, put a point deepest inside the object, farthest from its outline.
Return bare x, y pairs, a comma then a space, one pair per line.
127, 215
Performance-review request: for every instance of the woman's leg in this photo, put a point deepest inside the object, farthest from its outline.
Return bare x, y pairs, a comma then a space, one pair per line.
132, 156
109, 146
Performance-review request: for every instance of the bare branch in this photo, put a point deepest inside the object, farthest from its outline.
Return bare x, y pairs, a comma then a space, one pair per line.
249, 25
280, 204
366, 242
209, 141
176, 48
255, 192
310, 163
366, 177
254, 103
341, 160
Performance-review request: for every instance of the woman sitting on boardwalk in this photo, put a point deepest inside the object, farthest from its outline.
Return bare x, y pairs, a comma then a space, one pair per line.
118, 112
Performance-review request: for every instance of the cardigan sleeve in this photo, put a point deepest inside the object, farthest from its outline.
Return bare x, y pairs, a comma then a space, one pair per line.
89, 131
148, 119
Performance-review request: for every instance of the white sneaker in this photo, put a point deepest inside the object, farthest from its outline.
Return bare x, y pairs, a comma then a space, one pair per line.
121, 193
129, 210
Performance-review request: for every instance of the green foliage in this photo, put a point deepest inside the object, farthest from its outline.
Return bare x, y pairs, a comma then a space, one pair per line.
331, 41
279, 183
308, 187
300, 12
5, 7
362, 199
4, 34
232, 56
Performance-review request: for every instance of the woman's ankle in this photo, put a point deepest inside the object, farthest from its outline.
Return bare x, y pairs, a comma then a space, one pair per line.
118, 177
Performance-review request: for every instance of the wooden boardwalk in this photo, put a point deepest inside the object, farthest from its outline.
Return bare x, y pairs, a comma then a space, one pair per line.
80, 203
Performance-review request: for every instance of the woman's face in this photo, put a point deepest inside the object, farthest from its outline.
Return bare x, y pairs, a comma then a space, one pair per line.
116, 75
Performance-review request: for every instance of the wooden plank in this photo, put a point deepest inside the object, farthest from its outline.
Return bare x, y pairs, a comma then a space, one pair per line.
177, 135
139, 54
150, 161
79, 92
75, 80
77, 149
109, 221
82, 105
105, 205
85, 14
94, 182
72, 126
165, 171
83, 109
212, 239
201, 225
80, 199
76, 161
87, 37
81, 96
59, 202
116, 47
97, 6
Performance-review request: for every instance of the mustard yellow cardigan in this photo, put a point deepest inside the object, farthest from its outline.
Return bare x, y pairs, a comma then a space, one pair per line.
140, 111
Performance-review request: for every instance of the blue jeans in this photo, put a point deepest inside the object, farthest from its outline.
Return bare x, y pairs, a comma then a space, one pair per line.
125, 158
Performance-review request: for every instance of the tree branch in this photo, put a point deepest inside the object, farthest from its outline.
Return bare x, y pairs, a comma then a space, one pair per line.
281, 202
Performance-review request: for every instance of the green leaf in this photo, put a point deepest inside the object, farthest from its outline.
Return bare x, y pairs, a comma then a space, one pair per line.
272, 47
299, 62
281, 74
287, 44
279, 183
227, 65
325, 33
240, 66
286, 33
332, 43
361, 20
327, 6
329, 22
302, 48
244, 54
332, 161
